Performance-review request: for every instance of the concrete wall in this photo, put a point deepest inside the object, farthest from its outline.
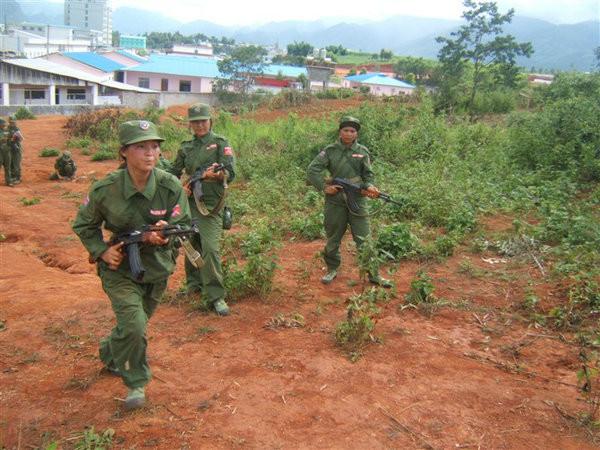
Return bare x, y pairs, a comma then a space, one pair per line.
40, 110
199, 84
165, 99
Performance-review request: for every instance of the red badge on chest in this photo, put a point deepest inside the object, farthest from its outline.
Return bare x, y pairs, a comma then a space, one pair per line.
228, 151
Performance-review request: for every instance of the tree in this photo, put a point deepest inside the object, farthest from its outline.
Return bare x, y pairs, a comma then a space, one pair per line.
116, 37
474, 48
597, 55
302, 49
385, 55
240, 68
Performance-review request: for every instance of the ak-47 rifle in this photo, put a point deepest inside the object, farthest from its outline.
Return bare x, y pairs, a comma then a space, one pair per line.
132, 239
353, 190
198, 176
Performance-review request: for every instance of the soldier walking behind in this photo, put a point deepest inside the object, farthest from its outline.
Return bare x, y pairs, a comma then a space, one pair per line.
15, 143
5, 153
347, 159
204, 152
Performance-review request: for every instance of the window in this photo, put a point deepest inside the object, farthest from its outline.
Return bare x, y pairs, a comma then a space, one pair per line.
164, 84
34, 95
75, 94
144, 82
185, 86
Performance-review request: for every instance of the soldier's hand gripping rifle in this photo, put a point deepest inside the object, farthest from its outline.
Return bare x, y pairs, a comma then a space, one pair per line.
195, 182
353, 191
132, 239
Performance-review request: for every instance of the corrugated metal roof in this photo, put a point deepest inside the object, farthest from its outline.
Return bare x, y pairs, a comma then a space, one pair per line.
379, 79
94, 60
286, 71
194, 66
43, 65
131, 56
190, 66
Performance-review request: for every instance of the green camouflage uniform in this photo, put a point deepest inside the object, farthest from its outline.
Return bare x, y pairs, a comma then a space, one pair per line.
199, 152
16, 139
194, 154
65, 166
5, 152
352, 163
116, 203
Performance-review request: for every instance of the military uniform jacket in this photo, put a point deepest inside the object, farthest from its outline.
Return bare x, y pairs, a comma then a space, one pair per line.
352, 163
204, 151
16, 137
116, 202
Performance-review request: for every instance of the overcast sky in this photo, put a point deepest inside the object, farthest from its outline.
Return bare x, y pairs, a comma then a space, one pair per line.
246, 12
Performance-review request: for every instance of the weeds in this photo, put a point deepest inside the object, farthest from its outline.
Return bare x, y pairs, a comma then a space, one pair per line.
48, 152
30, 201
23, 113
295, 320
353, 334
90, 440
588, 377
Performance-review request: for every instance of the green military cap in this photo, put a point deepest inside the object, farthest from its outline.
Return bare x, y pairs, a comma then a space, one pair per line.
199, 111
67, 153
136, 131
2, 122
349, 121
12, 119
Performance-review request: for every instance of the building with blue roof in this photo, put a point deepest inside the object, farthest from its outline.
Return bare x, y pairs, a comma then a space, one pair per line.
95, 60
176, 73
379, 84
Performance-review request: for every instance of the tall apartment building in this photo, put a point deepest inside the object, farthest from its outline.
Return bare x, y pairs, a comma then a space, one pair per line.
91, 15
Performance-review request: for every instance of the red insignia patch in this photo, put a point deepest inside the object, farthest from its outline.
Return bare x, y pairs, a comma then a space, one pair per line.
176, 211
86, 200
228, 151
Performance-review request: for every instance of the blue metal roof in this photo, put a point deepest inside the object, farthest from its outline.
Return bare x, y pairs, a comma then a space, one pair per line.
95, 60
190, 66
380, 79
286, 71
194, 66
131, 56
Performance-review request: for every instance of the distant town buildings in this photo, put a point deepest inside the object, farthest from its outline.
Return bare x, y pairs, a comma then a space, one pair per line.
91, 15
32, 40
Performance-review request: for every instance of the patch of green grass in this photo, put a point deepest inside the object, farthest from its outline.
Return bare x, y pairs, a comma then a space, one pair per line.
30, 201
49, 152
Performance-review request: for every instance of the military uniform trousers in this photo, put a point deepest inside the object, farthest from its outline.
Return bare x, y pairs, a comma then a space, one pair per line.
133, 304
15, 164
6, 160
209, 279
337, 219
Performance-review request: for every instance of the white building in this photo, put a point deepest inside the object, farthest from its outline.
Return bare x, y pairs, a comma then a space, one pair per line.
91, 15
204, 49
33, 40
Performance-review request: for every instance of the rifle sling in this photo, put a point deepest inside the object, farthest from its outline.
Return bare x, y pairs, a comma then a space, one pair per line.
203, 210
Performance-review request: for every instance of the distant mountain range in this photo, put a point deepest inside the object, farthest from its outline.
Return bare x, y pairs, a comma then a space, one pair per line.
557, 47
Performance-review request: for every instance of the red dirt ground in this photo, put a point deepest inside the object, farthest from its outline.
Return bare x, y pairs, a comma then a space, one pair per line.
467, 377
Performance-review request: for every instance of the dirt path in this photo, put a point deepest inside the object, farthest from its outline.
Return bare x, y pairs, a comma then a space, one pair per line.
469, 377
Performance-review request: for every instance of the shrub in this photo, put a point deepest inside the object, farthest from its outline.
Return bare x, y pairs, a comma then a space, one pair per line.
396, 241
23, 113
353, 334
421, 290
48, 152
103, 155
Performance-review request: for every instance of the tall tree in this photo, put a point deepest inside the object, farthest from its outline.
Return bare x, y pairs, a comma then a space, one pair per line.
240, 68
477, 45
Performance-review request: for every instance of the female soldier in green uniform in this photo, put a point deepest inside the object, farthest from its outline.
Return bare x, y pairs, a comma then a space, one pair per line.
126, 200
203, 152
346, 158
